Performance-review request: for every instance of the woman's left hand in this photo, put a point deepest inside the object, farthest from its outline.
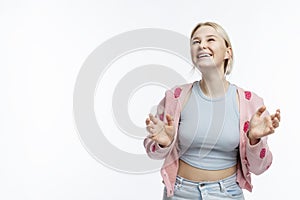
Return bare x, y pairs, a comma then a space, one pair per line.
262, 126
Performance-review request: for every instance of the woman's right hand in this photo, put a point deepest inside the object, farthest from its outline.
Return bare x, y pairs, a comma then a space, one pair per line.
159, 131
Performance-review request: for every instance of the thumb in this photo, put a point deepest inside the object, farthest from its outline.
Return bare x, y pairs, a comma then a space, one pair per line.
260, 111
170, 120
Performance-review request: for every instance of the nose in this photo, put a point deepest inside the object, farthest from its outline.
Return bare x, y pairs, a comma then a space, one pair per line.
199, 45
203, 45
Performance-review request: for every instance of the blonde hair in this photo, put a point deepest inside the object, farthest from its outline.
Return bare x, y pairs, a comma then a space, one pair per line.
228, 63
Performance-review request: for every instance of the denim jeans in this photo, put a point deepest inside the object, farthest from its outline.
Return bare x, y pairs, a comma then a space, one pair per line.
217, 190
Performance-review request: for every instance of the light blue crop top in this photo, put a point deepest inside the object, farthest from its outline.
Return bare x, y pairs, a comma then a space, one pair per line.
209, 130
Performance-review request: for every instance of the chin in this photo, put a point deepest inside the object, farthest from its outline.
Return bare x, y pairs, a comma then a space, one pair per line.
205, 64
204, 69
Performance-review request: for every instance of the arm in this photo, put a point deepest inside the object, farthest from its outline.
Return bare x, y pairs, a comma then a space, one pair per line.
257, 151
159, 142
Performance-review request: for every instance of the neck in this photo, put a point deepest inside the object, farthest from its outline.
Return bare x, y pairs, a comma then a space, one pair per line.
214, 85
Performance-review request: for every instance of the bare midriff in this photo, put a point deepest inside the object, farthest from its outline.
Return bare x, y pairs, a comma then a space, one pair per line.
195, 174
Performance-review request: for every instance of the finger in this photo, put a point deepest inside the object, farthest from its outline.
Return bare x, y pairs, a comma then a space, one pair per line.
150, 129
273, 116
152, 135
275, 123
260, 111
272, 130
278, 114
153, 119
147, 121
170, 120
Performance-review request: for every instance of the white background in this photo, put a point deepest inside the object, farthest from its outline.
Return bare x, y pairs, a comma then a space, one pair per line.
43, 45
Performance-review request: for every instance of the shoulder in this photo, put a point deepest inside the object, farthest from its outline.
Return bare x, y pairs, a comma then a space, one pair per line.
249, 101
247, 95
179, 90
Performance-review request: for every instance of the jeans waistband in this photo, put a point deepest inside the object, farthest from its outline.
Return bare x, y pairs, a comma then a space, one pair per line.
184, 181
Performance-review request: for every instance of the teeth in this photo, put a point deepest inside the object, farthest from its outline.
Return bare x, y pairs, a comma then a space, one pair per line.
203, 55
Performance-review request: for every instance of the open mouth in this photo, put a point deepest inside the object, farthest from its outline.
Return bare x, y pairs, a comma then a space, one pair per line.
204, 55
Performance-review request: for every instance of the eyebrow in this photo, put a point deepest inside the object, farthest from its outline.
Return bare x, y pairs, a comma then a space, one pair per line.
207, 36
211, 36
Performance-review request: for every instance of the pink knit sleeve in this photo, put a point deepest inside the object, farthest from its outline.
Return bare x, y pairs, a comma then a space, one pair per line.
259, 155
153, 149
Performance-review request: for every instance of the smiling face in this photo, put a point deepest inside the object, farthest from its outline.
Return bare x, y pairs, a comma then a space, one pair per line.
209, 50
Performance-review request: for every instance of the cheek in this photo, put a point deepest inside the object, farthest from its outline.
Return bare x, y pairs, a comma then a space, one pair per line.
193, 52
193, 49
219, 51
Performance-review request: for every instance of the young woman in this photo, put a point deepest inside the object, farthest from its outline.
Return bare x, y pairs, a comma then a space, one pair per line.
211, 134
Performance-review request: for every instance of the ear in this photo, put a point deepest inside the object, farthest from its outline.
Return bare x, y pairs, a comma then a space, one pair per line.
228, 53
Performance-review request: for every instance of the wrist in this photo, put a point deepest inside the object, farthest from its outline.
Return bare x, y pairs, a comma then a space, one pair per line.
166, 144
252, 140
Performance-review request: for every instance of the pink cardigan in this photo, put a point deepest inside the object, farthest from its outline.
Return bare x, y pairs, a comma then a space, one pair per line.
253, 158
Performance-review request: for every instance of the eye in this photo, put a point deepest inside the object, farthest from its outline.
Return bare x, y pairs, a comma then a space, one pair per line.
195, 42
211, 40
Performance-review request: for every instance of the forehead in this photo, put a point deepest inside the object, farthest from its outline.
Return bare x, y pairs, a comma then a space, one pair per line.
204, 31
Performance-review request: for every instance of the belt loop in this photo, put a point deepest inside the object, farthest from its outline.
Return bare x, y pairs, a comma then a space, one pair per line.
222, 187
180, 179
